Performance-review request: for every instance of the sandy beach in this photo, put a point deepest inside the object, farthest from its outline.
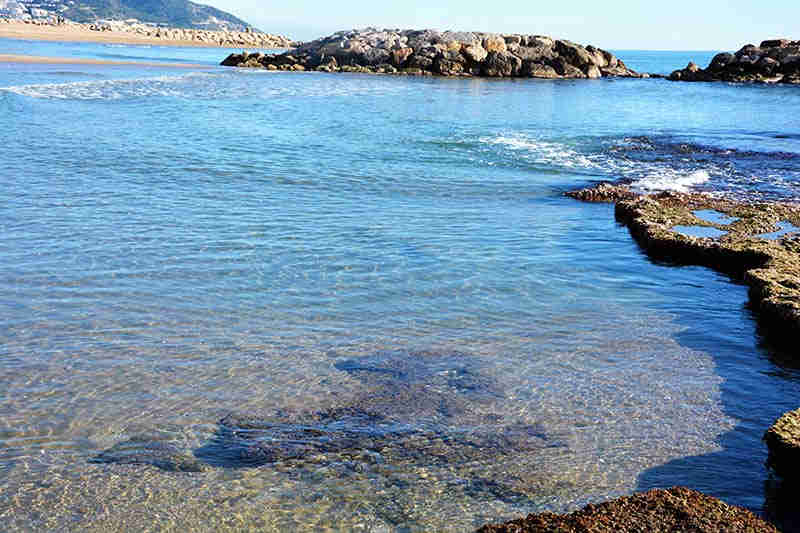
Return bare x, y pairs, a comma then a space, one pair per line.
11, 29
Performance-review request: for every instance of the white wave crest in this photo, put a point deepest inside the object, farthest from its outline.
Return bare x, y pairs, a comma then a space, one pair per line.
671, 182
544, 152
645, 175
110, 89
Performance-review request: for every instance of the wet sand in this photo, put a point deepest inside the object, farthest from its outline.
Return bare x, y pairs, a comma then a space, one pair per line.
15, 58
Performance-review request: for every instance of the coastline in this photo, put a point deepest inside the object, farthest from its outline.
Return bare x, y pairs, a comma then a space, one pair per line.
10, 29
64, 60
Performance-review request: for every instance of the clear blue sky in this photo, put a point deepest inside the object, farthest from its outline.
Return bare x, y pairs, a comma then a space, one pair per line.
620, 24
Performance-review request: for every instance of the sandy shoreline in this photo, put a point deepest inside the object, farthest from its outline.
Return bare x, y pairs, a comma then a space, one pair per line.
75, 33
12, 58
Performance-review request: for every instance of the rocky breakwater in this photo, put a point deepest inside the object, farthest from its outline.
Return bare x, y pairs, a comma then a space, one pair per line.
775, 61
224, 38
443, 53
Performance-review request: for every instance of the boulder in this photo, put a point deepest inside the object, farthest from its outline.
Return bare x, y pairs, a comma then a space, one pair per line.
501, 64
495, 43
534, 69
771, 62
574, 54
475, 53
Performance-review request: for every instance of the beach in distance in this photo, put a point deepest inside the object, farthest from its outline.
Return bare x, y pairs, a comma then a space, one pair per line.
511, 279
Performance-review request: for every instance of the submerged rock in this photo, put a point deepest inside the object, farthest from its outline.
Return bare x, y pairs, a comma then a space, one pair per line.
422, 408
443, 53
414, 408
149, 450
775, 61
656, 511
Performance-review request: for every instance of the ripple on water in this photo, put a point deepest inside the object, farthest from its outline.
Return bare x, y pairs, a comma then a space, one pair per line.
439, 438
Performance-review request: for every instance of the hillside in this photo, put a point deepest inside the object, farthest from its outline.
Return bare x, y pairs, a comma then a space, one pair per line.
173, 13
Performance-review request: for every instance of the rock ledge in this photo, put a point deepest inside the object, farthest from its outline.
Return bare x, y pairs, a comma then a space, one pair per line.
770, 266
783, 441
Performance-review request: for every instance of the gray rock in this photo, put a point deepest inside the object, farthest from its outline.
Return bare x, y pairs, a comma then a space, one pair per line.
444, 53
501, 64
772, 62
151, 450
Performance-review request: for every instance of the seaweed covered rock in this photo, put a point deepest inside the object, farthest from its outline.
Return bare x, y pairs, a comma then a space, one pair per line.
774, 61
603, 192
443, 53
675, 509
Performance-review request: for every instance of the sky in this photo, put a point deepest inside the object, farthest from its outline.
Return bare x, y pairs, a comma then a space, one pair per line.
614, 24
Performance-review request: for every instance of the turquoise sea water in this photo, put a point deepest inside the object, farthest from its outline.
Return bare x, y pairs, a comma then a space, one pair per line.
178, 245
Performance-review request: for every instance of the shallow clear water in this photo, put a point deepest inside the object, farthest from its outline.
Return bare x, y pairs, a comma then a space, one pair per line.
361, 257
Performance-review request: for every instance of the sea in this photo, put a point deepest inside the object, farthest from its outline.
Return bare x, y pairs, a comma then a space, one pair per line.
382, 274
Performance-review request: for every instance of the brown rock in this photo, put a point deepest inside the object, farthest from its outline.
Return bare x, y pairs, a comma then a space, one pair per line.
494, 43
603, 192
538, 70
783, 441
658, 511
400, 55
475, 53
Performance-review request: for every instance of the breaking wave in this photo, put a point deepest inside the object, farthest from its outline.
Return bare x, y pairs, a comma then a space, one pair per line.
658, 163
113, 89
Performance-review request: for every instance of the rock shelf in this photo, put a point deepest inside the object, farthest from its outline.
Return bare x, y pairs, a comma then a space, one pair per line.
774, 61
753, 245
770, 267
783, 441
442, 53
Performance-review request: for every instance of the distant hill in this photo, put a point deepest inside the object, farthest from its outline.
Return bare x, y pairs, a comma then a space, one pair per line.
173, 13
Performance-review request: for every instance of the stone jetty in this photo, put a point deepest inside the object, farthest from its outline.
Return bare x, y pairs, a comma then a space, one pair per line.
774, 61
445, 53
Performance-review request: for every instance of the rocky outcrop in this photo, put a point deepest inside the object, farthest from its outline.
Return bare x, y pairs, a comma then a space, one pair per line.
443, 53
783, 441
675, 509
603, 193
775, 61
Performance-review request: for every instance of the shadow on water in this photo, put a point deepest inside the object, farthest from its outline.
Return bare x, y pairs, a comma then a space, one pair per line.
761, 381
